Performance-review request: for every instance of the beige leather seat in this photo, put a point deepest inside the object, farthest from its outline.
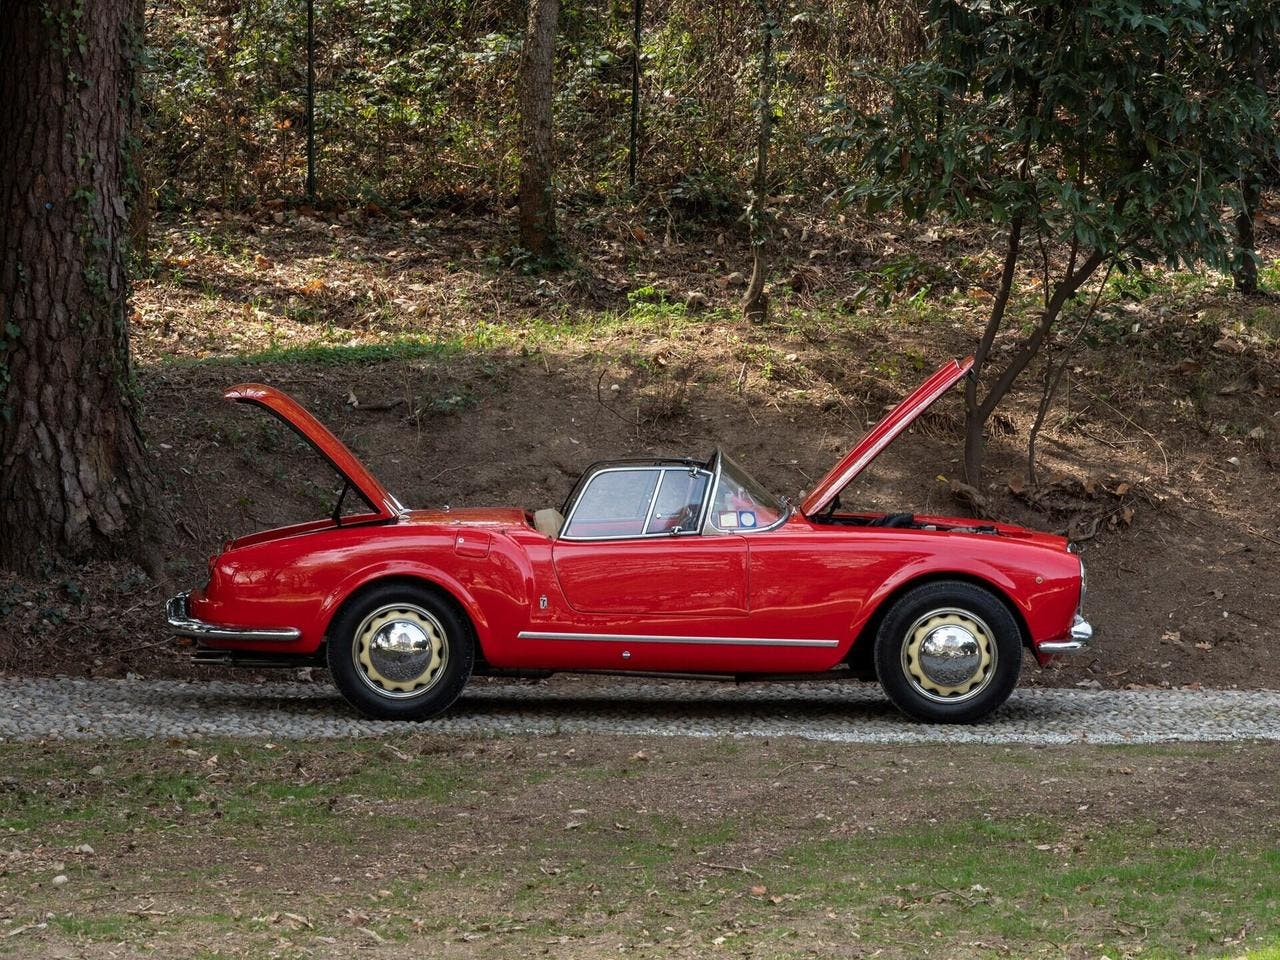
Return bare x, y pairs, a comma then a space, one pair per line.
548, 522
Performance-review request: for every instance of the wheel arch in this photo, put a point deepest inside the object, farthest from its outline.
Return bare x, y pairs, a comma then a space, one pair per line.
865, 635
422, 580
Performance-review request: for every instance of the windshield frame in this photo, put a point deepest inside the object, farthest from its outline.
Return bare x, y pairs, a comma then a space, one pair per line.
719, 461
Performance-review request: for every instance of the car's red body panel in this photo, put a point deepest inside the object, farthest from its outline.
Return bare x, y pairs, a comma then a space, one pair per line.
794, 598
705, 578
805, 582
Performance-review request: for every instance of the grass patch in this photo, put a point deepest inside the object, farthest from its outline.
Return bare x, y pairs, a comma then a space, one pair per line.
1269, 276
112, 927
503, 846
335, 347
86, 809
324, 352
1032, 879
1264, 321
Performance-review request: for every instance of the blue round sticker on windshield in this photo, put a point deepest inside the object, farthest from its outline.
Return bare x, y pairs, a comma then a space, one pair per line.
746, 518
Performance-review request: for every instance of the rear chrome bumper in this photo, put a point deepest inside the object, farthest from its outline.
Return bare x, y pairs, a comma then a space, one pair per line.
1081, 635
182, 623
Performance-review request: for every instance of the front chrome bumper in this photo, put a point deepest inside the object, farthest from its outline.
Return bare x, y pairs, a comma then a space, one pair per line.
1081, 635
182, 623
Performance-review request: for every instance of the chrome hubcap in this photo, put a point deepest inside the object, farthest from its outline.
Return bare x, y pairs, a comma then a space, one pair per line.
400, 651
949, 655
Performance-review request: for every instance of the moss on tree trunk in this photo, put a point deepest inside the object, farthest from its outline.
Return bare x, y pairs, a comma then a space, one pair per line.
73, 466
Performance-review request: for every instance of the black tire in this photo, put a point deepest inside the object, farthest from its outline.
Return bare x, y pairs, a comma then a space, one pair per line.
977, 652
420, 679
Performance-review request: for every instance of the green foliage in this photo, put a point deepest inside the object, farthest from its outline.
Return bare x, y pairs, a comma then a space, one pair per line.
450, 403
531, 265
907, 274
706, 197
1269, 276
403, 86
1121, 126
1116, 130
417, 99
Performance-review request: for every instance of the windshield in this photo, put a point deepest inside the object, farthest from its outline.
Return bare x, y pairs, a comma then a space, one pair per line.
741, 504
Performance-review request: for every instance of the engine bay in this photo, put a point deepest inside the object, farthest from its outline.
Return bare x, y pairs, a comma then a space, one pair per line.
899, 521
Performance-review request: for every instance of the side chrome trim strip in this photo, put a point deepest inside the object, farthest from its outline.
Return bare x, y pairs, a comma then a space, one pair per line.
651, 638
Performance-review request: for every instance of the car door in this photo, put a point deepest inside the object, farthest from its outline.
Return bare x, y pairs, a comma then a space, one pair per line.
688, 576
632, 546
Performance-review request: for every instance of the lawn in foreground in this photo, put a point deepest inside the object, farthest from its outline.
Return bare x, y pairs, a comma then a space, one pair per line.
605, 846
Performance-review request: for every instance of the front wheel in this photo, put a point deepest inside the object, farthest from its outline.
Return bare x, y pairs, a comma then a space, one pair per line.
948, 652
400, 652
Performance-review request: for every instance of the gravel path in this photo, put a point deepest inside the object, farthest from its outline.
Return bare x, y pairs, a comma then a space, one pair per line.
844, 712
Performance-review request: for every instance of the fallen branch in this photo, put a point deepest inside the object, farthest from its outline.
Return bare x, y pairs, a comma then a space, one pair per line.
1264, 536
374, 407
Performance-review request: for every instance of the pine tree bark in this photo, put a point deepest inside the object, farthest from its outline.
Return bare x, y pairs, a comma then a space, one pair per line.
141, 198
73, 469
537, 164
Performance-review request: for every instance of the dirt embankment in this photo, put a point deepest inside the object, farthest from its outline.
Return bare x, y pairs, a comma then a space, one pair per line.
473, 385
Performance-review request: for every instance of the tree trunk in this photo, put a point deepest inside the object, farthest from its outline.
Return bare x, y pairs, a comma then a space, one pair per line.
975, 447
755, 306
974, 419
1245, 268
978, 412
537, 198
1246, 264
141, 200
73, 468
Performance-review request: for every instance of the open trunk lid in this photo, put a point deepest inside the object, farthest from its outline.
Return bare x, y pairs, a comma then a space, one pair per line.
323, 441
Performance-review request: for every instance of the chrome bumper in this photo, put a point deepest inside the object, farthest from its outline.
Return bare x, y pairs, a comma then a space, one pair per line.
182, 623
1081, 635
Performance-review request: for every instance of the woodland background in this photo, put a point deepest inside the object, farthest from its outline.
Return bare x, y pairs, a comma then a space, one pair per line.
398, 302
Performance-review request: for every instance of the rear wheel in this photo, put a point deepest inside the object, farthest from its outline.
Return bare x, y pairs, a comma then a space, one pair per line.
948, 652
400, 652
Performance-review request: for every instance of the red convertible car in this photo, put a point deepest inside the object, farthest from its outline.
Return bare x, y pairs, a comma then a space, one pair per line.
671, 566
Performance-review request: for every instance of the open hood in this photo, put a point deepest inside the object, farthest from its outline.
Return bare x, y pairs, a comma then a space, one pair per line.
869, 447
322, 440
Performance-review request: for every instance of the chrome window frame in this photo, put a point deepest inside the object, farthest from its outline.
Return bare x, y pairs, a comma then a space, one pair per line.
715, 531
661, 470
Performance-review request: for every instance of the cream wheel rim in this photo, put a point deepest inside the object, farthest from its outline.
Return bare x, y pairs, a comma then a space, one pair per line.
949, 655
400, 651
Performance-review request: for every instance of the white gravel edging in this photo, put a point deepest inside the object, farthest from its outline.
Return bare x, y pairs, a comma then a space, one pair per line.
845, 712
